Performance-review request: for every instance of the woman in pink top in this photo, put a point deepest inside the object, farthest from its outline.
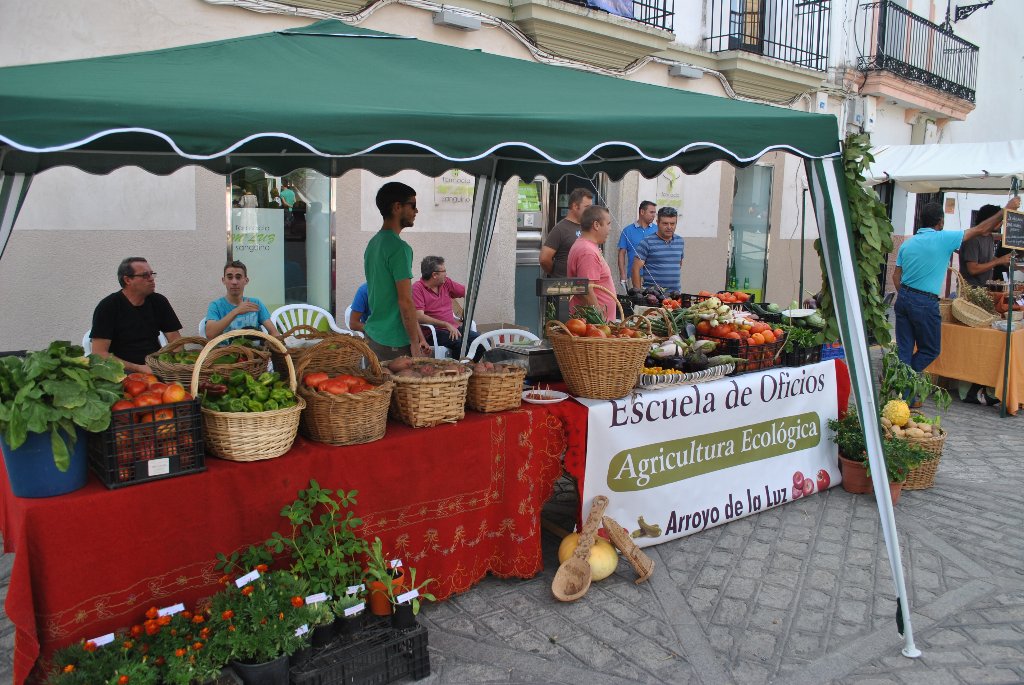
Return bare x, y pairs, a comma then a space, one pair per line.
587, 261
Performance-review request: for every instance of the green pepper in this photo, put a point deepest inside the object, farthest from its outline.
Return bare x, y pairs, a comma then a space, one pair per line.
236, 404
270, 405
217, 379
287, 403
280, 384
209, 403
281, 395
260, 393
268, 378
255, 405
237, 378
166, 357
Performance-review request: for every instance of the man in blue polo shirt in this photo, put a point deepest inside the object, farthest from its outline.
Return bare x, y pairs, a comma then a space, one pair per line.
631, 236
659, 256
920, 268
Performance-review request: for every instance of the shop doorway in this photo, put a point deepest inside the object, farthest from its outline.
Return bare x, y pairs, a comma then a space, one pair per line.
748, 243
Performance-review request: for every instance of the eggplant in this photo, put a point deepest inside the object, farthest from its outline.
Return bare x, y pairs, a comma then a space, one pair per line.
652, 300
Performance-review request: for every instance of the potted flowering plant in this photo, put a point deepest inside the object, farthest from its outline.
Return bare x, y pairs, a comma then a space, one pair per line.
182, 647
118, 663
381, 579
259, 621
379, 572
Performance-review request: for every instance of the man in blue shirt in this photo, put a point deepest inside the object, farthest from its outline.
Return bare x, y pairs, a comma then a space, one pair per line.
360, 309
631, 236
920, 268
659, 256
234, 311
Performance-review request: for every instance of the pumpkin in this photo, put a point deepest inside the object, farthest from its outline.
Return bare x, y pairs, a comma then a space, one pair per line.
603, 557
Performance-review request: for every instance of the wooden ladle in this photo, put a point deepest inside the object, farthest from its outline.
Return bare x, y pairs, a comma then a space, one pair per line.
572, 580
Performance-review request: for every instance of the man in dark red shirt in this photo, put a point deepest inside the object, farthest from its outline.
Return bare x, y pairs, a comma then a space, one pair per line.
433, 295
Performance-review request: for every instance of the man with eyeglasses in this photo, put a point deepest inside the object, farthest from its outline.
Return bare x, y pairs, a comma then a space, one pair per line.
433, 295
387, 263
660, 255
127, 323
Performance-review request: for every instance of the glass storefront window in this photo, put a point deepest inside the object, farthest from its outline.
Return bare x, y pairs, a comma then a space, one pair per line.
281, 229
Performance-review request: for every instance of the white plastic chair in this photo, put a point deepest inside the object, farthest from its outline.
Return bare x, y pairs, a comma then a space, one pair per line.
201, 328
87, 340
291, 315
502, 335
439, 351
348, 317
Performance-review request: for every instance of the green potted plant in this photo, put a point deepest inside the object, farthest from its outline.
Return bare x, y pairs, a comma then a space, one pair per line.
381, 579
900, 382
900, 456
182, 647
117, 663
47, 399
350, 612
380, 573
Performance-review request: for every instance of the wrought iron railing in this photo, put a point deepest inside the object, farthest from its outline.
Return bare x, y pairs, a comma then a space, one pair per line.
794, 31
896, 40
657, 13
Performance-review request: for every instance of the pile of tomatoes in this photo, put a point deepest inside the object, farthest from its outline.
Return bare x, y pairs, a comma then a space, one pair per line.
753, 332
582, 329
146, 390
734, 297
340, 384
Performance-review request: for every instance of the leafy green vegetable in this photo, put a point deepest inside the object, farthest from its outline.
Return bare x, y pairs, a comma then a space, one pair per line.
54, 390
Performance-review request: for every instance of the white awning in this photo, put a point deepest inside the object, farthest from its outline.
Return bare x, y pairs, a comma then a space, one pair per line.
956, 167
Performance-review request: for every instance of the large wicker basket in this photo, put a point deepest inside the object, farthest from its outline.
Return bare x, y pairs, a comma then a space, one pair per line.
347, 419
497, 390
965, 311
333, 364
252, 361
599, 368
423, 402
248, 436
923, 476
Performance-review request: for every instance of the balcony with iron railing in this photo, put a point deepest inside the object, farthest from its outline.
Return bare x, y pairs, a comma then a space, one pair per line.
792, 31
656, 13
893, 39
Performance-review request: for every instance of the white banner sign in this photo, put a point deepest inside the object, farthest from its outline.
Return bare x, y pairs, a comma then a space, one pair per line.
673, 462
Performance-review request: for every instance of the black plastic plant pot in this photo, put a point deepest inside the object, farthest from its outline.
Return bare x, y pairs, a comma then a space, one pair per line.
403, 618
268, 673
347, 626
322, 636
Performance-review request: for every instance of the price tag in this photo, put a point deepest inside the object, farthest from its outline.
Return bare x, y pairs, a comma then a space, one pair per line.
171, 611
407, 596
301, 630
353, 589
158, 467
318, 597
249, 577
395, 563
352, 610
103, 640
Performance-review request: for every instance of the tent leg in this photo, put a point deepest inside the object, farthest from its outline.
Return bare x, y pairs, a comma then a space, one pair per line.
829, 196
486, 200
13, 188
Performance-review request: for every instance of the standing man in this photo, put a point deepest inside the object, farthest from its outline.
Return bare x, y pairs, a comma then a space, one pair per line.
631, 236
433, 295
920, 267
360, 310
387, 262
287, 195
127, 324
554, 255
587, 261
978, 257
659, 256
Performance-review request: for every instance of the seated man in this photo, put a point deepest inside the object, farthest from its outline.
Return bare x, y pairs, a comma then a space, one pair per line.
360, 309
235, 311
432, 295
127, 323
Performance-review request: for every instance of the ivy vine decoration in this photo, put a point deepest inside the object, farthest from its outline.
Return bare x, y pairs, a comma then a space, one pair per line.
872, 243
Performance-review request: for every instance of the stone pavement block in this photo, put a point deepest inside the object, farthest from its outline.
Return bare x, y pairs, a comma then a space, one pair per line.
757, 644
750, 674
804, 645
459, 671
927, 677
590, 650
810, 619
730, 612
740, 588
948, 657
775, 596
702, 600
999, 654
535, 642
995, 634
990, 676
944, 637
772, 620
503, 624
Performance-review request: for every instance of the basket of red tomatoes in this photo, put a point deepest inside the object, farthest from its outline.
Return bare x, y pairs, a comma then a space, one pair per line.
756, 342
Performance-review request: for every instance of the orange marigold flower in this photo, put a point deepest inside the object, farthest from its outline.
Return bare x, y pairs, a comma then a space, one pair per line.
127, 644
89, 646
179, 652
280, 616
197, 619
152, 612
227, 615
247, 590
262, 568
225, 579
69, 668
297, 601
197, 646
152, 628
187, 615
263, 621
136, 630
123, 680
231, 629
164, 620
204, 633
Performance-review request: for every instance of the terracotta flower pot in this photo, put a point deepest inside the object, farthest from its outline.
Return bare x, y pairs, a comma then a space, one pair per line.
857, 481
379, 604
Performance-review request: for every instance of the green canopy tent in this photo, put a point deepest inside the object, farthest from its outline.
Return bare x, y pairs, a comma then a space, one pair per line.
368, 100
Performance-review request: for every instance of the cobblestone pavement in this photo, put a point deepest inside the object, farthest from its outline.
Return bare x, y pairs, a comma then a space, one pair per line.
801, 594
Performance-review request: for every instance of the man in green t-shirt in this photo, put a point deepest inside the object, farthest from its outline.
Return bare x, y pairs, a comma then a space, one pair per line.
387, 263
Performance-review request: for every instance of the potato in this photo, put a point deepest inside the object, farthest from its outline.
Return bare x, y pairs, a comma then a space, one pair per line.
886, 422
915, 433
400, 364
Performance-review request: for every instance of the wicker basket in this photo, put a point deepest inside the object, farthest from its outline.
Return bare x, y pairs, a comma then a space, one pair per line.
599, 368
497, 390
424, 402
923, 476
248, 436
965, 311
946, 309
348, 419
252, 361
334, 364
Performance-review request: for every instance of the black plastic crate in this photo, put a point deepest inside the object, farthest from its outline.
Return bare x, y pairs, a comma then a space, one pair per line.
757, 357
149, 443
802, 356
627, 304
377, 655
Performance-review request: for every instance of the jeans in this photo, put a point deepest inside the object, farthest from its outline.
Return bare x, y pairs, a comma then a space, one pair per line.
919, 323
445, 339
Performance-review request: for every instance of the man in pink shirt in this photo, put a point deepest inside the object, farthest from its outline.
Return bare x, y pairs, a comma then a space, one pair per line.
587, 261
432, 295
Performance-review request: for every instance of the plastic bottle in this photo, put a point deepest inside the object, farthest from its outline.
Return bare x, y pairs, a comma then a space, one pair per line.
746, 283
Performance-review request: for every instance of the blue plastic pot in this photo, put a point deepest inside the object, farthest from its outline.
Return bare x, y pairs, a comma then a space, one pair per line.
31, 470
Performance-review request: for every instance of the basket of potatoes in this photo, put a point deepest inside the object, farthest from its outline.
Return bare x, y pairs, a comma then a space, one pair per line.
924, 432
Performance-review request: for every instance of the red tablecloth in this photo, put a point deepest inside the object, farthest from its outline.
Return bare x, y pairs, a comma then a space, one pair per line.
455, 501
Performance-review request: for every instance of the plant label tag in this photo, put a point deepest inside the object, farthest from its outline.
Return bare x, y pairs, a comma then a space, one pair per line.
353, 589
318, 597
249, 577
395, 563
407, 596
353, 610
158, 467
301, 630
103, 640
171, 611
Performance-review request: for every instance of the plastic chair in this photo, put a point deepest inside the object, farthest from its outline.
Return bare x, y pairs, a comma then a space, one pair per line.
291, 315
87, 340
201, 328
502, 335
439, 351
348, 316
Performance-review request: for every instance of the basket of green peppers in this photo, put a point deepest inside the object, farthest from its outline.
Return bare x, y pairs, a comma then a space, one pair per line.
174, 362
247, 417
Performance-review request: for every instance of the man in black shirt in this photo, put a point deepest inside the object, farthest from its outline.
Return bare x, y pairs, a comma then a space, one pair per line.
128, 323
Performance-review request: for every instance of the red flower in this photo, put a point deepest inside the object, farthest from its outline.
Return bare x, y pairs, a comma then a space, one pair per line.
227, 615
152, 628
262, 568
179, 652
89, 646
69, 668
224, 580
136, 630
197, 619
164, 620
205, 633
247, 590
127, 644
263, 621
152, 612
160, 661
231, 629
197, 646
297, 601
280, 616
123, 680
